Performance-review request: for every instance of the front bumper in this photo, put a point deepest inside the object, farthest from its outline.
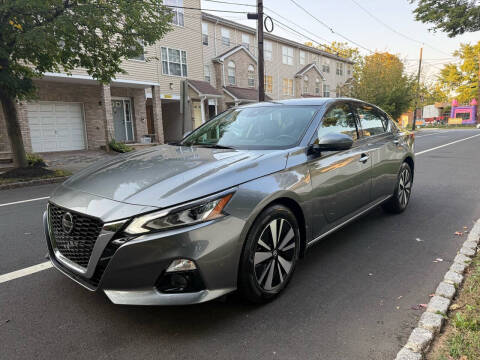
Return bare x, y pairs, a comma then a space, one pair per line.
129, 275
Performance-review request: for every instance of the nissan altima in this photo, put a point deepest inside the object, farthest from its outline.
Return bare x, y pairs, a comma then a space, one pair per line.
233, 206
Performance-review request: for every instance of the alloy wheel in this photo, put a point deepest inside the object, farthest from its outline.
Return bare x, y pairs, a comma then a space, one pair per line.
404, 187
274, 254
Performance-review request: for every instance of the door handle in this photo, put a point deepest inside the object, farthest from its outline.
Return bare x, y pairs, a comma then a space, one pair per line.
364, 158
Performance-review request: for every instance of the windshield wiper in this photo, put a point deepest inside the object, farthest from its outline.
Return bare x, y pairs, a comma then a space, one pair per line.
214, 146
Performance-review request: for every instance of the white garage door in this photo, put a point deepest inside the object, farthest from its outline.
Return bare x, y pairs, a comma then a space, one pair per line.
56, 126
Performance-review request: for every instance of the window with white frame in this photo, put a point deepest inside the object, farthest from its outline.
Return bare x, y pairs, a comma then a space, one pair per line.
231, 73
267, 50
326, 66
339, 68
177, 9
204, 33
246, 40
303, 57
268, 84
326, 90
287, 55
317, 86
174, 62
305, 84
225, 36
251, 75
140, 57
206, 73
288, 87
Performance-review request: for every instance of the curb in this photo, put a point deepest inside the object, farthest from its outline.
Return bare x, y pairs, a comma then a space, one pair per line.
432, 319
33, 182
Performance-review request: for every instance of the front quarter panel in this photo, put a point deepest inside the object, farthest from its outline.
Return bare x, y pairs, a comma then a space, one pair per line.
254, 196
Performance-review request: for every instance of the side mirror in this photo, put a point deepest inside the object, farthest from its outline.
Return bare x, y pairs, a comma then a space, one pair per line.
333, 142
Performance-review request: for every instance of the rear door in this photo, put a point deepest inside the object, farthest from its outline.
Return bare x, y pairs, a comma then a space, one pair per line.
380, 143
340, 180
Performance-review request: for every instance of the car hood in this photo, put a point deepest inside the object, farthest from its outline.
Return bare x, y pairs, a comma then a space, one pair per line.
166, 175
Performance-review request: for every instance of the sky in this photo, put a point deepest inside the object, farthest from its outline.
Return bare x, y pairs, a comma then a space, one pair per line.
345, 17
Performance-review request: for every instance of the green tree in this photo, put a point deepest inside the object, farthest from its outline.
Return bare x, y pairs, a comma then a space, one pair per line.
38, 36
460, 79
341, 49
453, 17
381, 80
432, 92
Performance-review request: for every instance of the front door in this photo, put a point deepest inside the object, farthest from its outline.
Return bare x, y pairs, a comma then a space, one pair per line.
341, 180
122, 120
197, 114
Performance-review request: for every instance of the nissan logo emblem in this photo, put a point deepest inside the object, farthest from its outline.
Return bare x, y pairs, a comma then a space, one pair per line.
67, 223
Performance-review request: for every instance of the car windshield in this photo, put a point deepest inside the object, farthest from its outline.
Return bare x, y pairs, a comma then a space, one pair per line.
263, 127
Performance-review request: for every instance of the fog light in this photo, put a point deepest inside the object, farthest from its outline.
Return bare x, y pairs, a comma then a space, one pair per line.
178, 281
181, 265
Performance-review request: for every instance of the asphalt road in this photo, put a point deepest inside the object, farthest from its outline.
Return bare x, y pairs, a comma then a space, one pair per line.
350, 298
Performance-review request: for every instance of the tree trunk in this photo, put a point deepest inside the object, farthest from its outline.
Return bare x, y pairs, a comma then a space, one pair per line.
13, 130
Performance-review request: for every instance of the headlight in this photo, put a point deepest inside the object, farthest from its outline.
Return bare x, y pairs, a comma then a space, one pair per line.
167, 219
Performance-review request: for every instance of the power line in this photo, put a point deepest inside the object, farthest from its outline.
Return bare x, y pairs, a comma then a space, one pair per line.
291, 22
395, 30
291, 30
329, 27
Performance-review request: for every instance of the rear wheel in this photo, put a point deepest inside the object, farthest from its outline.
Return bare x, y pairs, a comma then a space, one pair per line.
270, 255
401, 196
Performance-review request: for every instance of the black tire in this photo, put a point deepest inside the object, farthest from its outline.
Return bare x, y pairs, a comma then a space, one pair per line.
257, 281
403, 190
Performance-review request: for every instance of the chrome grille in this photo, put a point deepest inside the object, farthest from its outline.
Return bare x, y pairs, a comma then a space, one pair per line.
77, 245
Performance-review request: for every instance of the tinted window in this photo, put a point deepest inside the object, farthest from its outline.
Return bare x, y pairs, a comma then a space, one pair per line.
266, 127
371, 121
339, 119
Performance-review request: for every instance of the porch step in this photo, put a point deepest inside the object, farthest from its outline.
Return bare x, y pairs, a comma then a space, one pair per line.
139, 146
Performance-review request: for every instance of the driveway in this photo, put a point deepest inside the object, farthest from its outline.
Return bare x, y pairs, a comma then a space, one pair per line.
351, 297
74, 161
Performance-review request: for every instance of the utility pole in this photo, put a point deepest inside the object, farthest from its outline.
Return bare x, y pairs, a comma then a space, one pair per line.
260, 64
418, 89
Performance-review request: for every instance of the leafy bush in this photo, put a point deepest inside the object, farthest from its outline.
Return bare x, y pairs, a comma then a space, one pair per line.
119, 147
35, 160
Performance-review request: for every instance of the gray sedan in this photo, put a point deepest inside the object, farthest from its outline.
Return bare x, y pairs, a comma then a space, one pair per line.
233, 206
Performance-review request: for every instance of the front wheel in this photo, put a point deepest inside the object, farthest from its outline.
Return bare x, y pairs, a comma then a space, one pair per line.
270, 255
401, 196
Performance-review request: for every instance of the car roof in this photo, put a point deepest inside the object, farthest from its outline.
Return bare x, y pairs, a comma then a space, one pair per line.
312, 101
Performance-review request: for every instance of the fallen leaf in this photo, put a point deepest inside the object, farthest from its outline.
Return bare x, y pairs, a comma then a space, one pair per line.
418, 239
454, 307
398, 307
370, 274
423, 305
458, 233
399, 297
431, 295
439, 259
465, 227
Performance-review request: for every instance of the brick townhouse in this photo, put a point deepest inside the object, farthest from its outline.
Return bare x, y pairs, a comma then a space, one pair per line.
216, 56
